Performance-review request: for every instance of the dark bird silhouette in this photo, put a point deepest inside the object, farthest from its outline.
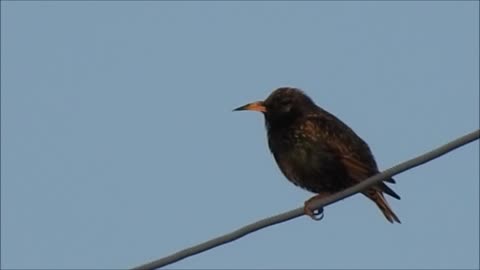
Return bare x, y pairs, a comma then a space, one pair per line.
317, 151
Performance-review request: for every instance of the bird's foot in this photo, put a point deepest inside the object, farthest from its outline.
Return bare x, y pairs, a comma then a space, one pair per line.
314, 213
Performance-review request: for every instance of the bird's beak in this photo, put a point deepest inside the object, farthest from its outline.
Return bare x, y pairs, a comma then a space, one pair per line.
255, 106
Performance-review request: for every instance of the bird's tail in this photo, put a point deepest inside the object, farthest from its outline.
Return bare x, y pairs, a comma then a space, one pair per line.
378, 198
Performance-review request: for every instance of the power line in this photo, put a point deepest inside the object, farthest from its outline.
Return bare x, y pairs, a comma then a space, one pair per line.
409, 164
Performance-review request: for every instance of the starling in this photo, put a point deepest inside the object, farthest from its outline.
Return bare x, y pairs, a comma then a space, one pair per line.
317, 151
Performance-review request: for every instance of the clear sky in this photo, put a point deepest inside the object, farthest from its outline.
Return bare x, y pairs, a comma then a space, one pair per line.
119, 145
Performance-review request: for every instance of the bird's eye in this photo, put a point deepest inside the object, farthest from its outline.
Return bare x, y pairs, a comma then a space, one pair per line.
285, 102
286, 105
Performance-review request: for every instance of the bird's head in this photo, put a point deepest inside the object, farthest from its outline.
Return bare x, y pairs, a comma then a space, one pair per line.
283, 104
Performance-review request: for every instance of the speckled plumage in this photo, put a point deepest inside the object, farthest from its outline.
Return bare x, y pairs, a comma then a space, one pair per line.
317, 151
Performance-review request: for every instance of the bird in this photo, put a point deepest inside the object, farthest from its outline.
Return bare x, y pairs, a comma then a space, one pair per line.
318, 152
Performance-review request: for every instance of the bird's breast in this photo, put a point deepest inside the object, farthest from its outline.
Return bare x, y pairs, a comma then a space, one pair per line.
293, 156
306, 160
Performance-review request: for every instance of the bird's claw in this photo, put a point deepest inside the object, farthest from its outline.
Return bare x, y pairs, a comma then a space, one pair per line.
315, 214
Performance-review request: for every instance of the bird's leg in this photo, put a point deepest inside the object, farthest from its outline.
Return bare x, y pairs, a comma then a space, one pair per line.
316, 214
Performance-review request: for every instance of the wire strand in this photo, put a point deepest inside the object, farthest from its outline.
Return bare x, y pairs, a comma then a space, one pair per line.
229, 237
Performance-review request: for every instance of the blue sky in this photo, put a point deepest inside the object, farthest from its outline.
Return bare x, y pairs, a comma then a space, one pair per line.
119, 145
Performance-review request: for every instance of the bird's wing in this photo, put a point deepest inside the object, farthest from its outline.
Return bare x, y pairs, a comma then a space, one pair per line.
360, 172
356, 169
352, 151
